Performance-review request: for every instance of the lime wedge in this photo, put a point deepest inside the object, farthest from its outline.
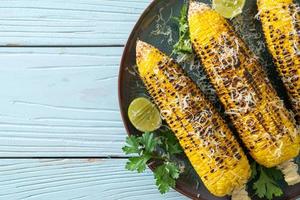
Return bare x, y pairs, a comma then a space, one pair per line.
228, 8
144, 115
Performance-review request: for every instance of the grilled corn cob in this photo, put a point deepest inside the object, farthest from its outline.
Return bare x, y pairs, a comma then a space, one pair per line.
263, 123
281, 25
208, 143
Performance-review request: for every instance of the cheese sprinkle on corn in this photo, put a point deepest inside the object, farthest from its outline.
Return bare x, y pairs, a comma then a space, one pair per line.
205, 138
265, 126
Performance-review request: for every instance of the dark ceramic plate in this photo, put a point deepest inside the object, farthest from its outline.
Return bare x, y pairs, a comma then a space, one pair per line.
131, 87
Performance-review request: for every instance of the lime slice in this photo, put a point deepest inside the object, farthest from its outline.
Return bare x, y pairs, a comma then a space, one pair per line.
144, 115
228, 8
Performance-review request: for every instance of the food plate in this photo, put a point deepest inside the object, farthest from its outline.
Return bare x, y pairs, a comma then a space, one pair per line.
154, 27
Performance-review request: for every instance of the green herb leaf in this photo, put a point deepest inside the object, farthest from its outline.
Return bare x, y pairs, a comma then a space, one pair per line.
165, 176
253, 170
138, 163
266, 186
184, 45
170, 143
146, 147
132, 145
274, 173
149, 142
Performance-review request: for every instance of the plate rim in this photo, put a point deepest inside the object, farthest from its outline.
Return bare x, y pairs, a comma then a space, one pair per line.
178, 187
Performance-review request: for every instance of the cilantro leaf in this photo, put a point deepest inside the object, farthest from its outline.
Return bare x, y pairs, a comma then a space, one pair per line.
149, 142
266, 185
274, 173
170, 143
146, 146
253, 170
184, 45
132, 145
165, 176
138, 163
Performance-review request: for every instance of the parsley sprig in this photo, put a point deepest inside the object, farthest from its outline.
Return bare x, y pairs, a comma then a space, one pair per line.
184, 45
266, 181
160, 146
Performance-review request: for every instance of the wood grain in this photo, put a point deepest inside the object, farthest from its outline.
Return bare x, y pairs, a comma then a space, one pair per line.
60, 102
33, 179
72, 22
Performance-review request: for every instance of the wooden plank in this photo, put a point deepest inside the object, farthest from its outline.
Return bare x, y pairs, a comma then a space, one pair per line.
72, 22
33, 179
60, 102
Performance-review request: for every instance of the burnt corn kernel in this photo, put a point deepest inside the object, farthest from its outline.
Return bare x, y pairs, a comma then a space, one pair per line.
243, 87
238, 156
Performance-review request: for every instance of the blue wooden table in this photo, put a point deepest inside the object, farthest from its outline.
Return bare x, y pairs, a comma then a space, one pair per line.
60, 128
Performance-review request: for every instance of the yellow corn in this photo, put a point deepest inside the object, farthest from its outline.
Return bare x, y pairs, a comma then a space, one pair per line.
208, 143
263, 123
281, 25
